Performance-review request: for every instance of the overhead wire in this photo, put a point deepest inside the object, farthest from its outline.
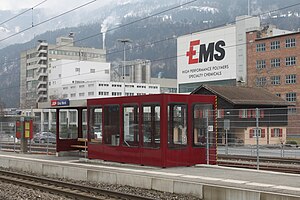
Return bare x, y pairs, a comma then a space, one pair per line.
60, 46
168, 38
47, 20
171, 57
25, 11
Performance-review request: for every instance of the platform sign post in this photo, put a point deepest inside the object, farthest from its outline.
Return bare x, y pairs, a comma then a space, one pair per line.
23, 139
24, 131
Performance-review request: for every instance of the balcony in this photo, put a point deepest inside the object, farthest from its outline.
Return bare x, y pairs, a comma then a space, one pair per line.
41, 91
42, 53
42, 45
42, 84
41, 98
42, 75
41, 68
42, 58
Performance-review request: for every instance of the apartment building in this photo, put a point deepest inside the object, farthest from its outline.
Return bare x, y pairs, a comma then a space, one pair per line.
273, 64
35, 64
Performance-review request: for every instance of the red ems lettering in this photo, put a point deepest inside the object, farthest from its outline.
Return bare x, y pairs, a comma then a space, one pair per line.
206, 53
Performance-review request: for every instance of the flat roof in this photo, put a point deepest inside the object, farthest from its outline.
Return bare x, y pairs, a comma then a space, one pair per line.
73, 103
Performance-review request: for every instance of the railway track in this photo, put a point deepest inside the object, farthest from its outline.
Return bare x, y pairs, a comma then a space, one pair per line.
286, 165
66, 189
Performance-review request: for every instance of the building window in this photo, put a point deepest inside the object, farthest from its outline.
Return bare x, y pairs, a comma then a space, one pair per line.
290, 42
129, 94
65, 88
289, 61
260, 47
91, 93
292, 111
92, 70
291, 97
261, 81
275, 45
106, 71
90, 85
275, 80
81, 86
73, 95
220, 113
275, 62
278, 94
103, 85
276, 132
65, 95
30, 73
103, 93
260, 64
290, 79
116, 93
81, 94
251, 113
256, 132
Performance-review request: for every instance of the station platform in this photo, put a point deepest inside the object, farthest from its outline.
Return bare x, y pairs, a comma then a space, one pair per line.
204, 181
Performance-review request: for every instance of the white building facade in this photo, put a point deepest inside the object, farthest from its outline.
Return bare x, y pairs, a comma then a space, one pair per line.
66, 72
214, 56
100, 89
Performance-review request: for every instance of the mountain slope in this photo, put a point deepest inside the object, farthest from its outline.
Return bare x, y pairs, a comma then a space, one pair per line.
153, 38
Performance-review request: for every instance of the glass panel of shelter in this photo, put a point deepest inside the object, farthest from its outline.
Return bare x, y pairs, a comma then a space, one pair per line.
95, 124
177, 126
131, 125
151, 126
84, 123
68, 128
111, 126
202, 118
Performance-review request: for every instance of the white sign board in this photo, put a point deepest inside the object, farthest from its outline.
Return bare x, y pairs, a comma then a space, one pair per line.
207, 56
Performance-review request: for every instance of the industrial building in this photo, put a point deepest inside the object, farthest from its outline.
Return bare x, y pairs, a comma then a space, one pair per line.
214, 56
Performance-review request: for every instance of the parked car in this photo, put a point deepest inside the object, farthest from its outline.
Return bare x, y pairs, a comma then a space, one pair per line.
44, 137
97, 133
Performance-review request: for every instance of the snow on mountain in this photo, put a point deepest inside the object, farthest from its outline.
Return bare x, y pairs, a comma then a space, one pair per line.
206, 9
5, 30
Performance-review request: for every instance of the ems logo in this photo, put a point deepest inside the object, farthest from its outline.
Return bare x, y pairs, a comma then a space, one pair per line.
206, 53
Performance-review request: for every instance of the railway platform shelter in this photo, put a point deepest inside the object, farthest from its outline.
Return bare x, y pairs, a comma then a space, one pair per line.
162, 130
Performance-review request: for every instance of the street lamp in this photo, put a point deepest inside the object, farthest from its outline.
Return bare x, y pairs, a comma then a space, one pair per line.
124, 41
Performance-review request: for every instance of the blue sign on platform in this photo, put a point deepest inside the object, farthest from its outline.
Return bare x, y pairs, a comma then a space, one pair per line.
60, 102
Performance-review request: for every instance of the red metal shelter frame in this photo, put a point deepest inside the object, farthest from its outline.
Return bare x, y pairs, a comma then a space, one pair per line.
155, 130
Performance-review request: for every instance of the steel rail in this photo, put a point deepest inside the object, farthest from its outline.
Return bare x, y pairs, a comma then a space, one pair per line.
266, 163
71, 190
262, 158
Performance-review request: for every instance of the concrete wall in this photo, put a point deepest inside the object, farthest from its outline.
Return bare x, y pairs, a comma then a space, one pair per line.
200, 190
